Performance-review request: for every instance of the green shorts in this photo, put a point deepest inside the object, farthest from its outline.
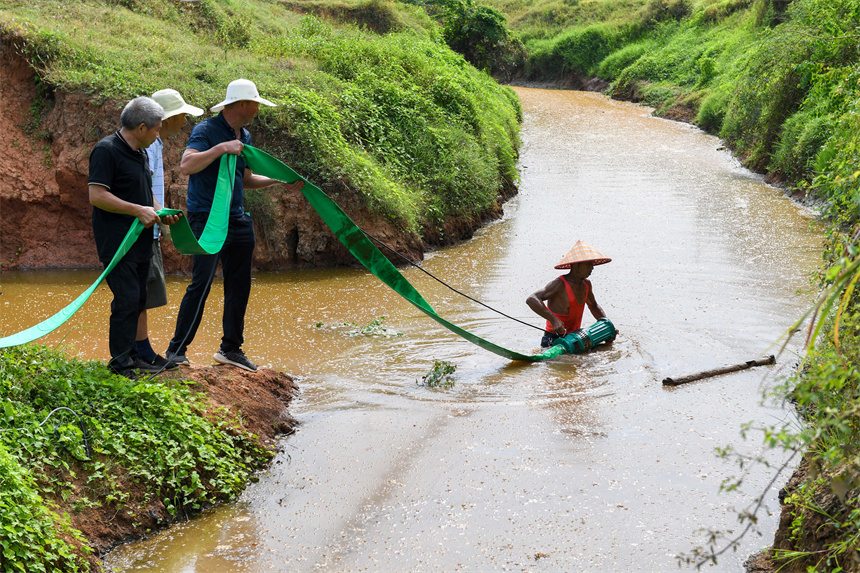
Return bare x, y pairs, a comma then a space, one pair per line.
156, 290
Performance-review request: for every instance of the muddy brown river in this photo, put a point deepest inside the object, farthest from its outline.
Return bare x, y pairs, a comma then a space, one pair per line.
584, 463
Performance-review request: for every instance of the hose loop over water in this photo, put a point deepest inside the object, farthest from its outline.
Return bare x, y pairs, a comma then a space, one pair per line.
428, 273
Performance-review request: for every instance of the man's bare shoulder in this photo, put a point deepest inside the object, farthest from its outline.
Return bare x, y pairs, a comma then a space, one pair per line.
555, 285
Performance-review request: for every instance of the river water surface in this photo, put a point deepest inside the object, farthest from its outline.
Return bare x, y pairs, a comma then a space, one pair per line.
584, 463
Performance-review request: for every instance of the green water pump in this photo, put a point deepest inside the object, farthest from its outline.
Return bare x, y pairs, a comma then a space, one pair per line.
582, 340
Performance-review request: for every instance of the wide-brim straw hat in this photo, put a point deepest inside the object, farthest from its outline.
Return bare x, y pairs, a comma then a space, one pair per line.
173, 103
239, 90
582, 253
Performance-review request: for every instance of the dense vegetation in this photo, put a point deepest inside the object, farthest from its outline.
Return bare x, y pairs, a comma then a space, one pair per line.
399, 117
779, 81
150, 433
385, 107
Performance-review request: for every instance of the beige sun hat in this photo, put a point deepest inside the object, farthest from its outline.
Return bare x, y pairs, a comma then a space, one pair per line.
173, 103
239, 90
582, 253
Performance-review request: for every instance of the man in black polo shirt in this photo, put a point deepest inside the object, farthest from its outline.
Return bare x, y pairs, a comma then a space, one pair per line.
223, 134
120, 190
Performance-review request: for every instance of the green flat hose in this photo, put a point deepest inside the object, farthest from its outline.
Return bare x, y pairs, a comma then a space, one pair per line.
368, 255
212, 239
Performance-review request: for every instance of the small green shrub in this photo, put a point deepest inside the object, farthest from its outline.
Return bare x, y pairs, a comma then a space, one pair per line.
707, 70
613, 64
721, 10
439, 375
578, 50
657, 11
482, 35
803, 135
712, 111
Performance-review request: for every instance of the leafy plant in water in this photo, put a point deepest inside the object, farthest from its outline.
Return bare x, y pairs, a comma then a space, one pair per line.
372, 328
439, 375
375, 328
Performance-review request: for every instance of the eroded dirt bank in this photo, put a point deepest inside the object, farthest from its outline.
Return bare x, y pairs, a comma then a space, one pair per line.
45, 211
807, 532
253, 402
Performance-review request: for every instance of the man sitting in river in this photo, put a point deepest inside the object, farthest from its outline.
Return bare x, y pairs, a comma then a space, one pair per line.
567, 295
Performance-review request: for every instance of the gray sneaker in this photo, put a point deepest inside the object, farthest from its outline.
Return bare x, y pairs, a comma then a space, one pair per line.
175, 359
236, 358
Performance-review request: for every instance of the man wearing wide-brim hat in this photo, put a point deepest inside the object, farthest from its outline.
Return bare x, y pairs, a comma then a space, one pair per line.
172, 122
563, 301
220, 135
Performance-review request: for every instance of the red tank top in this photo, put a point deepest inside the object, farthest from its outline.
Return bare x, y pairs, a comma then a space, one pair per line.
573, 319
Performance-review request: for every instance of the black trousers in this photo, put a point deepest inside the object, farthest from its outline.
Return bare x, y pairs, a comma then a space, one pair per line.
236, 257
127, 282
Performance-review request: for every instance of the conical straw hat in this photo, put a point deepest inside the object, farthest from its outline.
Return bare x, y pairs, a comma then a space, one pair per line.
582, 253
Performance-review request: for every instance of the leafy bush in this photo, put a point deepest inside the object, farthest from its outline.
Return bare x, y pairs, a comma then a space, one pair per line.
482, 35
578, 50
151, 433
771, 88
802, 137
712, 111
656, 11
612, 65
33, 537
722, 10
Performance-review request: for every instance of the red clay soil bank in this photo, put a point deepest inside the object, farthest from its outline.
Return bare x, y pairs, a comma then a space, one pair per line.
258, 400
45, 215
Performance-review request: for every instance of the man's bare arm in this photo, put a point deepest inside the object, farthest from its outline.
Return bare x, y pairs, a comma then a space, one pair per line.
535, 302
102, 198
194, 161
595, 309
251, 180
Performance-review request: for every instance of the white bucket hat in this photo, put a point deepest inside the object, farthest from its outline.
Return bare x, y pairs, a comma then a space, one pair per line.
173, 103
239, 90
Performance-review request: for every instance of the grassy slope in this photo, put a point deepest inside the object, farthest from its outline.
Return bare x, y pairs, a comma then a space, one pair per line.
399, 118
783, 89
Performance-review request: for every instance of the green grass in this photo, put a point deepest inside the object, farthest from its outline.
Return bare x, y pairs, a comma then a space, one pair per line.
397, 117
779, 87
149, 433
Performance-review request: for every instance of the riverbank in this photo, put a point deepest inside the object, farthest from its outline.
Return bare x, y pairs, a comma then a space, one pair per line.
418, 147
121, 459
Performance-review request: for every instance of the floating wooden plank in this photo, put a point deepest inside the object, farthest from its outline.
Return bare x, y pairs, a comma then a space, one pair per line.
717, 371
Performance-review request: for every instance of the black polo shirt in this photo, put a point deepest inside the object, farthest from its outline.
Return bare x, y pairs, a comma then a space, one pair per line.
125, 172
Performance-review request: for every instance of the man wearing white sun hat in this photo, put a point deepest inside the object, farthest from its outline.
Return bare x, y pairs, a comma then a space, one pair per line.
172, 122
210, 139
